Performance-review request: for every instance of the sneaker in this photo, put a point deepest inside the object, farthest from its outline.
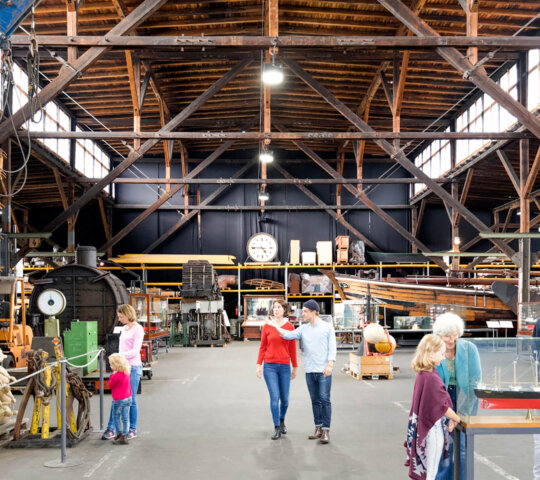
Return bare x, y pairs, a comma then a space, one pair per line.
108, 434
131, 434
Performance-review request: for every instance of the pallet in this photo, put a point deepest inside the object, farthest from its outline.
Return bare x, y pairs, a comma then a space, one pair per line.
316, 294
54, 440
374, 366
7, 429
373, 376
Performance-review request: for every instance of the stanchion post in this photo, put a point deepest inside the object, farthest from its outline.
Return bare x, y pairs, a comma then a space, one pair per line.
63, 407
101, 388
63, 463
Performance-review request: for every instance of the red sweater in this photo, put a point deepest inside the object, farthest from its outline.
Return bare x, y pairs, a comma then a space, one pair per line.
119, 383
275, 349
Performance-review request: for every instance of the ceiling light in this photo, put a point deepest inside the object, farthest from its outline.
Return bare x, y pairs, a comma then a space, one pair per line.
263, 196
457, 241
272, 74
266, 156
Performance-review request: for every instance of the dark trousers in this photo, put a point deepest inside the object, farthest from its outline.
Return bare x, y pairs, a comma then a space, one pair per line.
319, 390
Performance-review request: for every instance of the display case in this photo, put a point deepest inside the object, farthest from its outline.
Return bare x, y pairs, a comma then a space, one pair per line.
152, 312
257, 309
497, 378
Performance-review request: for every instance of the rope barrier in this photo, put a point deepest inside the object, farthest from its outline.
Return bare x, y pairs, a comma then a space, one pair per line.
53, 364
85, 365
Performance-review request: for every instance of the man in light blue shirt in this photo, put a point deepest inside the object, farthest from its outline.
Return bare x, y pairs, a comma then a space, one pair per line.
319, 342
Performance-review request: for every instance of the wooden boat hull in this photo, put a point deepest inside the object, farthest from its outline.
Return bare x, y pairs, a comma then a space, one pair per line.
415, 299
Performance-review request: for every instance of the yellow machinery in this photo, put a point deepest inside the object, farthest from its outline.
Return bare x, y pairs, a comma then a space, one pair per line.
15, 338
59, 352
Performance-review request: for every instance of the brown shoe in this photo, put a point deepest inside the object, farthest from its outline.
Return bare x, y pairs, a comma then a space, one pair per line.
325, 437
316, 434
121, 440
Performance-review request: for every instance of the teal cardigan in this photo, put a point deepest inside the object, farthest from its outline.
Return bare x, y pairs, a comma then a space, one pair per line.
468, 375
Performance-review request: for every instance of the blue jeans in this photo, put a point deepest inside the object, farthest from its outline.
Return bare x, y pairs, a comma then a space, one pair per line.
319, 390
446, 471
120, 410
278, 380
135, 378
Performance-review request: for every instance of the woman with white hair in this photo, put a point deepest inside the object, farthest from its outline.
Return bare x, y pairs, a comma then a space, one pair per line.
460, 372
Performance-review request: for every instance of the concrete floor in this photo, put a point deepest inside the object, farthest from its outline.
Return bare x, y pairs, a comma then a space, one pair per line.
205, 415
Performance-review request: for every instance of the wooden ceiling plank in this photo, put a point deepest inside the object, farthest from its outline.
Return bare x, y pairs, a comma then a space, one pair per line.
477, 76
67, 75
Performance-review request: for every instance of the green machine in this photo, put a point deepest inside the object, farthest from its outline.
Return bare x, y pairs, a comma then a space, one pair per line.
179, 334
80, 339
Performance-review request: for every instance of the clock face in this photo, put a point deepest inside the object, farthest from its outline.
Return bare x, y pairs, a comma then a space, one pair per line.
262, 247
51, 302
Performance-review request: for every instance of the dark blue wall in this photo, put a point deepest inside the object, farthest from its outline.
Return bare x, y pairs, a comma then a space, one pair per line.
227, 232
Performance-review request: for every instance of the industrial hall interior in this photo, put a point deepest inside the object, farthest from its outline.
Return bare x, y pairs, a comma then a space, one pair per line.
270, 239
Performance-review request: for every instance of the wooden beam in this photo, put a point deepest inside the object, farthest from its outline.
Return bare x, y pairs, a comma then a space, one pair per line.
395, 154
166, 196
532, 174
186, 218
271, 29
338, 218
465, 191
361, 150
340, 167
72, 17
313, 135
133, 156
283, 41
184, 163
524, 198
471, 11
258, 181
65, 205
133, 64
367, 201
512, 175
67, 74
387, 91
477, 76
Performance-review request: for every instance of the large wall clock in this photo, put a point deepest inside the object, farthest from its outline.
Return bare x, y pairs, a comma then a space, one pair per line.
262, 247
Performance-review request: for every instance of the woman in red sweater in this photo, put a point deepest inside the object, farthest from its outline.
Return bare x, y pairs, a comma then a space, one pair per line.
277, 354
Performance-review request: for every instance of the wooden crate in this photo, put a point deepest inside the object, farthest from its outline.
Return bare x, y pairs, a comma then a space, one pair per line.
363, 366
342, 242
342, 256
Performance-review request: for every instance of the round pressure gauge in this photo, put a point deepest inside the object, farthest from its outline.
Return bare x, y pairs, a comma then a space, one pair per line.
51, 302
262, 247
